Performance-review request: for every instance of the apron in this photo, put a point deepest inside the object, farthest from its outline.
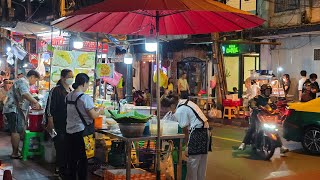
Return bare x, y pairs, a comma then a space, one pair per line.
200, 139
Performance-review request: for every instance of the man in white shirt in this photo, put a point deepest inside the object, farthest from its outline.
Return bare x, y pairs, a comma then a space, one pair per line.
303, 79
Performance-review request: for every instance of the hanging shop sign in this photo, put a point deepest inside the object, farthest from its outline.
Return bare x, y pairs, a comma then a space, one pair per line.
148, 58
118, 58
90, 46
231, 49
77, 61
105, 70
43, 43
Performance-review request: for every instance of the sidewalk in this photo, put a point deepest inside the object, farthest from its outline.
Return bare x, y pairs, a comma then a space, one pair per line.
30, 169
24, 170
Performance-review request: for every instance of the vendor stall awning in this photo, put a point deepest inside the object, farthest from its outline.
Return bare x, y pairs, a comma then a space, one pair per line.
29, 28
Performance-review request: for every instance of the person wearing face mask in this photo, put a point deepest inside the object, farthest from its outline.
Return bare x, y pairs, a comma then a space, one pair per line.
261, 100
56, 114
80, 115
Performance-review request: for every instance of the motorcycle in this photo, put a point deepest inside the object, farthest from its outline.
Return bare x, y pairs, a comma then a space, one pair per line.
265, 138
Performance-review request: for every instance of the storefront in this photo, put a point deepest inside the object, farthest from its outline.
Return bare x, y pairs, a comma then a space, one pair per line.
239, 61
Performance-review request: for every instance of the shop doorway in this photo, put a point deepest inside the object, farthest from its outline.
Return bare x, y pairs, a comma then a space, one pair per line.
196, 70
248, 62
238, 70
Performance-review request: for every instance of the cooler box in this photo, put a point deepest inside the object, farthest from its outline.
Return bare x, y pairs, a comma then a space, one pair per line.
35, 120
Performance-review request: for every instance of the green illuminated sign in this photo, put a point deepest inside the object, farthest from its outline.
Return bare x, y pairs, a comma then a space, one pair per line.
232, 49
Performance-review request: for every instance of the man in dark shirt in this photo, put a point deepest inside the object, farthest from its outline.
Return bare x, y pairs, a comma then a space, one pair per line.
56, 113
314, 85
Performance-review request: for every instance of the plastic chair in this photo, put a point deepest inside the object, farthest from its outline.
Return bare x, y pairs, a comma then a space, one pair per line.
26, 151
230, 112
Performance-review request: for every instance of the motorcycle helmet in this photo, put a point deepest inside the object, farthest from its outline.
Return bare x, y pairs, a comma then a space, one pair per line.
266, 90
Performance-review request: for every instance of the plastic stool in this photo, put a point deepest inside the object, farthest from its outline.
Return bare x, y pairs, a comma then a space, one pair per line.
26, 145
231, 112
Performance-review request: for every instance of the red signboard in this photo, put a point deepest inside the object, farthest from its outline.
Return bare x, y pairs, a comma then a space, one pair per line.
91, 46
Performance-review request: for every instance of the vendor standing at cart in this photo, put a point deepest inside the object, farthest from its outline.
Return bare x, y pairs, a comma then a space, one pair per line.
191, 119
56, 113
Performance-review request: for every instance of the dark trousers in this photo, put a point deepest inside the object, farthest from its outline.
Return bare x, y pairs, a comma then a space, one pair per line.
252, 128
184, 94
77, 158
60, 145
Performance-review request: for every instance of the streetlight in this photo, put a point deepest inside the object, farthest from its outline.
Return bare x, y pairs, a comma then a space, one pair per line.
78, 42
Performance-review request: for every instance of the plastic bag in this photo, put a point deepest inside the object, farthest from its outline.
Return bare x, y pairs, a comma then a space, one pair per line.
49, 152
213, 82
215, 113
163, 79
168, 117
115, 80
166, 163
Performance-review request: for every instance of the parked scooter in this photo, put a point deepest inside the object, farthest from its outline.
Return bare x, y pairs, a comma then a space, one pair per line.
265, 139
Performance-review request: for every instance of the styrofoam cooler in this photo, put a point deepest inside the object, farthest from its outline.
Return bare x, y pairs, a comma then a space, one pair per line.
35, 120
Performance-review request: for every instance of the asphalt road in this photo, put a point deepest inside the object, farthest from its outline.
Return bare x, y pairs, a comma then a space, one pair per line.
226, 162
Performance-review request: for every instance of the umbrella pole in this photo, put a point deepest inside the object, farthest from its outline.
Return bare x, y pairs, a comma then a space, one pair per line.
158, 96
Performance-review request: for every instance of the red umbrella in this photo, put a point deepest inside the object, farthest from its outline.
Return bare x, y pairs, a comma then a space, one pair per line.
175, 17
163, 17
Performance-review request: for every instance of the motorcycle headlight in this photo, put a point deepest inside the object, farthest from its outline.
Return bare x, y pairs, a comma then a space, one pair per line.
269, 126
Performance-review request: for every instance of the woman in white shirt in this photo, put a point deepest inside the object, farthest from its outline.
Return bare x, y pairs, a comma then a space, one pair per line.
80, 116
190, 117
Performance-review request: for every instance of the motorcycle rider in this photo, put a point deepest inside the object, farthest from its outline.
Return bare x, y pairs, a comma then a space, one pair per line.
261, 100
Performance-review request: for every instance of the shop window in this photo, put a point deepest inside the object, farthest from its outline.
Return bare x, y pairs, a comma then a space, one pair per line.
286, 5
316, 54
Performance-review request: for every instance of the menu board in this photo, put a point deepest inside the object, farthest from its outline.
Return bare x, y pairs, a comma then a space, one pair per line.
105, 70
78, 62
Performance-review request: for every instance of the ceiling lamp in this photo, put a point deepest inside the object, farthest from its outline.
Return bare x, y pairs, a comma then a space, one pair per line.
128, 59
78, 42
151, 45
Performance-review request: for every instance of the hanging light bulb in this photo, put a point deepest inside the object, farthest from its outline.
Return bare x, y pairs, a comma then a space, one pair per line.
78, 42
151, 45
128, 59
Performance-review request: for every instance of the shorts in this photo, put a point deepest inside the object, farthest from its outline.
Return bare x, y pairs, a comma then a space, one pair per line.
16, 122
